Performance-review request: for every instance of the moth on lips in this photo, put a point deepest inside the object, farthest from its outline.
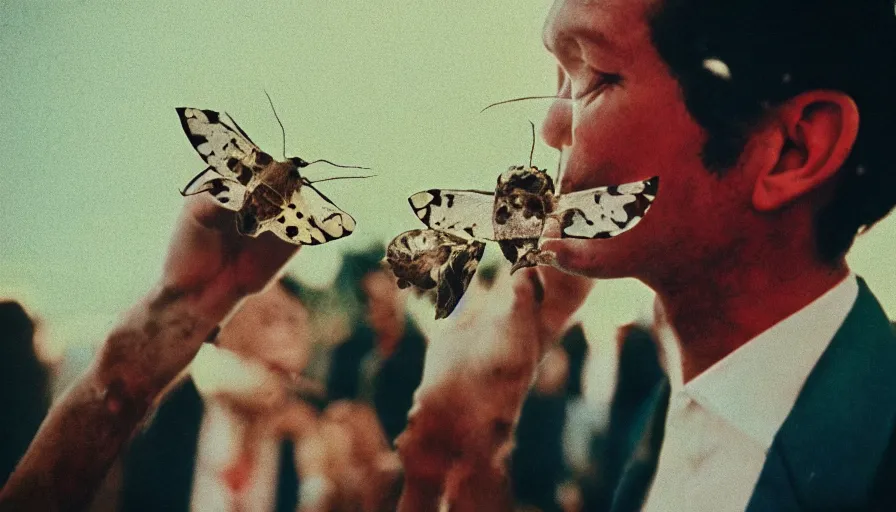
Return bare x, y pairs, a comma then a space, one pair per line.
523, 200
447, 254
268, 195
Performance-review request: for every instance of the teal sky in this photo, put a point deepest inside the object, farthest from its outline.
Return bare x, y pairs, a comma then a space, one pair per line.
94, 154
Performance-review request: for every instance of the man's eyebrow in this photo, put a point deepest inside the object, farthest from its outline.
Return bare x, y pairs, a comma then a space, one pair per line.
589, 36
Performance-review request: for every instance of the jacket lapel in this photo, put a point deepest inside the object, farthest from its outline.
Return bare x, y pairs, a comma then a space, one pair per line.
829, 449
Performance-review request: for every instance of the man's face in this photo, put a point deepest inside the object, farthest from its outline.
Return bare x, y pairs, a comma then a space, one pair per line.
621, 118
271, 328
384, 311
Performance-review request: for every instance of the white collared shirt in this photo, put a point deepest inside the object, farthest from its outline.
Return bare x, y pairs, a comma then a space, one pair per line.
721, 424
220, 439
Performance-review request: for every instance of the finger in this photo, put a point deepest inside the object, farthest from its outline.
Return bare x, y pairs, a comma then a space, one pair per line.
564, 254
564, 294
528, 290
207, 213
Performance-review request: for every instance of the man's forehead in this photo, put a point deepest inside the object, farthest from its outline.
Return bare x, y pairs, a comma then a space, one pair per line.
609, 23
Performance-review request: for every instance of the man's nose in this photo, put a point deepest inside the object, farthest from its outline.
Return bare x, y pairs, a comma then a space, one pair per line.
557, 127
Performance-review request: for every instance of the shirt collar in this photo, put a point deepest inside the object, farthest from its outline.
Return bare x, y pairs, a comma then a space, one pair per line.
754, 388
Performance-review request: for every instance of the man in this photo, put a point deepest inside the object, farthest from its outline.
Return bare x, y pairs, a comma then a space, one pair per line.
381, 362
210, 268
769, 125
749, 112
223, 439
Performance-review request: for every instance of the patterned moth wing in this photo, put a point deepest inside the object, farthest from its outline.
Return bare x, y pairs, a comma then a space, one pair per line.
311, 219
523, 199
228, 193
467, 213
605, 212
268, 195
428, 258
224, 146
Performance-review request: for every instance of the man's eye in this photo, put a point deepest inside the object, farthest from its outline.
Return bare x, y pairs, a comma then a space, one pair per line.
598, 82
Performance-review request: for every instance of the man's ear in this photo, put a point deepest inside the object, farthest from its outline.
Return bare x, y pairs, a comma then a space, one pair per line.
817, 130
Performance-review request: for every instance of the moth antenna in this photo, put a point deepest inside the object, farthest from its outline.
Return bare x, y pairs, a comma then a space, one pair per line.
518, 99
344, 178
341, 166
532, 151
282, 130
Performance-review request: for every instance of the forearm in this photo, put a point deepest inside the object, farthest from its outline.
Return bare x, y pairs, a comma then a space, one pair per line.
477, 374
85, 430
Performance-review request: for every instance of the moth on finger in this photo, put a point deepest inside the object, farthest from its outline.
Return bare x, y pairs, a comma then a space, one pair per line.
266, 194
460, 222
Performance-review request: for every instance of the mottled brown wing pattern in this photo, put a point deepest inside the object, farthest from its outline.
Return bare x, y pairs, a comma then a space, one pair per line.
428, 258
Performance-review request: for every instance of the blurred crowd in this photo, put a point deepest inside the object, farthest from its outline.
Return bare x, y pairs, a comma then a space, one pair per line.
296, 404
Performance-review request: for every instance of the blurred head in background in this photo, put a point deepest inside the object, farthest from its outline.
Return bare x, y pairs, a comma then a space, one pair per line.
24, 385
385, 309
260, 351
365, 281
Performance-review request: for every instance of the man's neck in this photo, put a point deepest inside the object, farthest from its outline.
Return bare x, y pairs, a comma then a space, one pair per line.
388, 339
713, 317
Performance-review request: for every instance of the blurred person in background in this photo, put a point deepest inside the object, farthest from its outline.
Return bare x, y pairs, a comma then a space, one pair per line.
24, 386
537, 466
381, 362
209, 270
223, 440
639, 371
540, 461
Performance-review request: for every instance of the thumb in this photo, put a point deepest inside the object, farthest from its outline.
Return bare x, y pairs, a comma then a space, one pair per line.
564, 254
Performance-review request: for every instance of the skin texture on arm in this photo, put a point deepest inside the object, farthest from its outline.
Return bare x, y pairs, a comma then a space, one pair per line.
477, 372
209, 269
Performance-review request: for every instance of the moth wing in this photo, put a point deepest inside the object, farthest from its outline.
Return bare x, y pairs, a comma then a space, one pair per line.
229, 194
223, 145
606, 211
311, 219
463, 212
456, 274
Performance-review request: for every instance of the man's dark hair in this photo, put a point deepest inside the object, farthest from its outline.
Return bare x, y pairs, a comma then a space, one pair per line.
775, 50
307, 296
355, 266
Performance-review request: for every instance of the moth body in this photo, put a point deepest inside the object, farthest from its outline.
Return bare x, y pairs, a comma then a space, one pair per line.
446, 255
266, 196
524, 198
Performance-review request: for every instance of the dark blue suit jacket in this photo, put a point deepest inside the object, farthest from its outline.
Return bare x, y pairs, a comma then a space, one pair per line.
837, 448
